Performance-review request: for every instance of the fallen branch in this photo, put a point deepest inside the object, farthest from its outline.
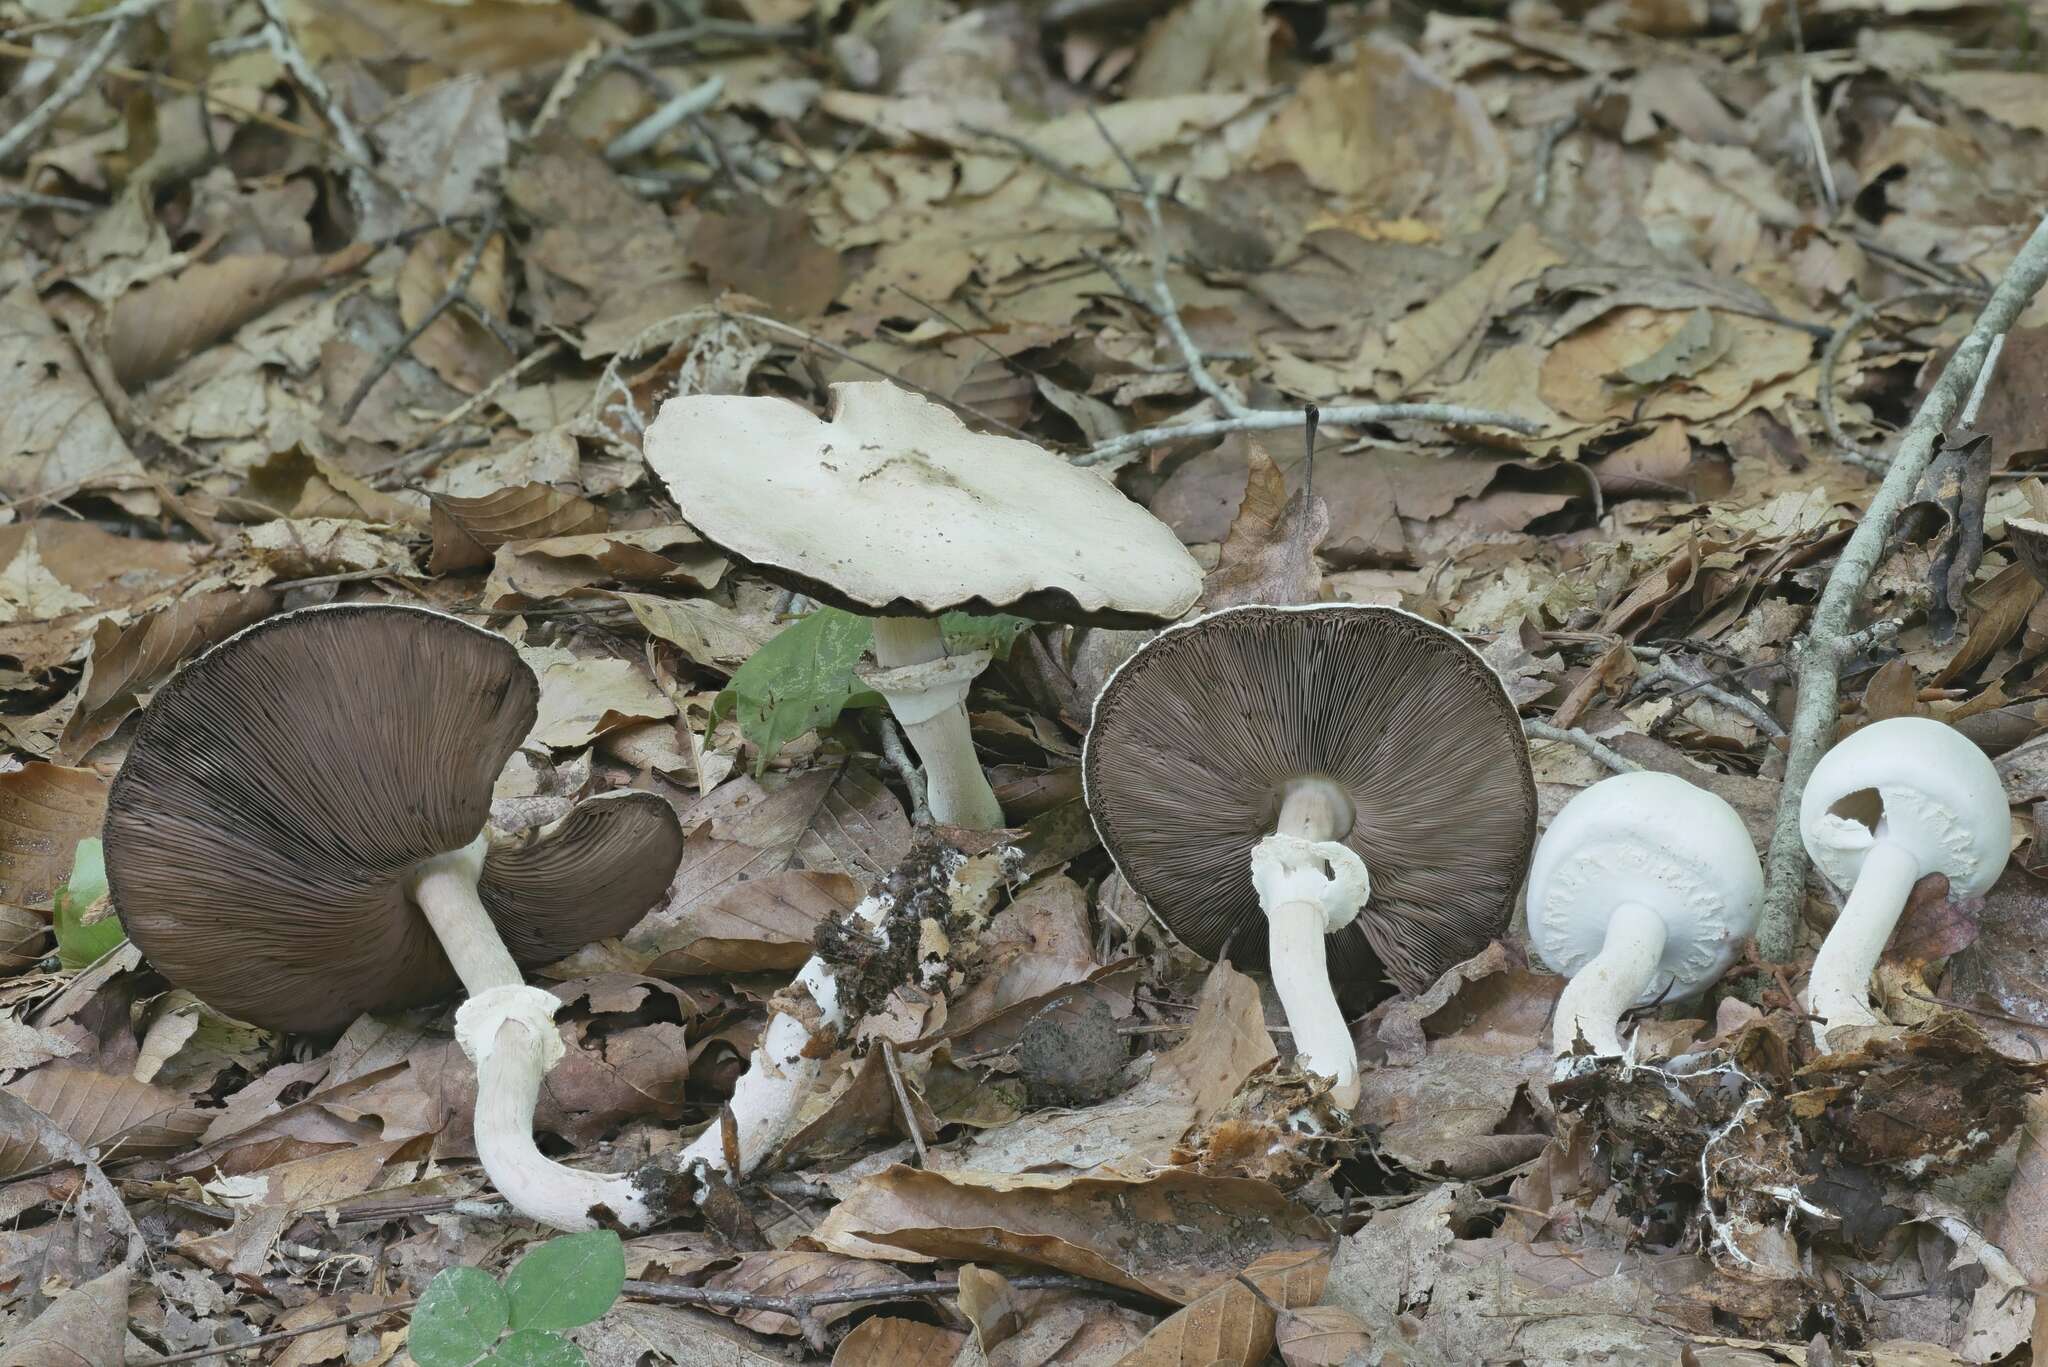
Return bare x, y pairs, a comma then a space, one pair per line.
1572, 735
1829, 635
796, 1307
18, 138
278, 34
1860, 319
281, 1336
456, 292
1346, 415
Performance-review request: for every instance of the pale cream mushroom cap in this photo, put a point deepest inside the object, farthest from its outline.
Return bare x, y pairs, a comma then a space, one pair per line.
894, 507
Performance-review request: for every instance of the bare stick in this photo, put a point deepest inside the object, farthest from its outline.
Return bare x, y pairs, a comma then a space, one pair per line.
889, 1061
200, 1354
1820, 661
1832, 353
18, 138
1572, 735
1693, 678
279, 35
449, 297
677, 109
28, 199
1969, 418
907, 770
663, 1293
1348, 415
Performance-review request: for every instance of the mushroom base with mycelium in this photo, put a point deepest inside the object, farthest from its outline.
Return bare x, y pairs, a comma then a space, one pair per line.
1642, 890
1890, 804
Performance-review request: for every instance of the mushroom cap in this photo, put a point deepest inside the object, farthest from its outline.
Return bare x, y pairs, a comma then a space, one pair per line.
609, 860
1659, 842
282, 787
1938, 794
1196, 737
895, 508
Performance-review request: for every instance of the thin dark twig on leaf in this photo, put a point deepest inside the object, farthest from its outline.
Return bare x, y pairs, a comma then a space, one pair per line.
18, 138
278, 33
281, 1336
1860, 319
796, 1307
456, 292
1572, 735
1829, 637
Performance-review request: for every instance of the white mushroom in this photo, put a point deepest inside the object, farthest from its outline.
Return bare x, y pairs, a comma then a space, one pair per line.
1894, 802
1642, 890
895, 509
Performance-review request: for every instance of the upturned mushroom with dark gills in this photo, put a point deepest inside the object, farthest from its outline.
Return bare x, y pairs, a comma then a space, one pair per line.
893, 508
1338, 791
299, 836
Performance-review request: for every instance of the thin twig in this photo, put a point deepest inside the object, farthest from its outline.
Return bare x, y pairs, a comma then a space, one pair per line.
1820, 663
1983, 385
906, 769
1693, 678
18, 138
28, 199
281, 1336
1348, 415
455, 293
1546, 148
1832, 352
1572, 735
796, 1307
677, 109
292, 59
895, 1071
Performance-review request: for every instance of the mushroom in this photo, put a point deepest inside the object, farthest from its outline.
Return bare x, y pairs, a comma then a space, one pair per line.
1897, 800
894, 509
1333, 789
298, 836
1642, 890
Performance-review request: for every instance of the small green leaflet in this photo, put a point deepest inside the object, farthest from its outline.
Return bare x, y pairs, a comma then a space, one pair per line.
79, 944
803, 679
566, 1282
467, 1319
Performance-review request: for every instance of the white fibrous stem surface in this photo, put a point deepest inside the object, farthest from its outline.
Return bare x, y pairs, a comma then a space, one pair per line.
509, 1033
779, 1078
1307, 889
1838, 993
927, 693
1591, 1004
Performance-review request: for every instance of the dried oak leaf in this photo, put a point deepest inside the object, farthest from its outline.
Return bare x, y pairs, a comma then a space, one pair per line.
468, 530
45, 810
1233, 1324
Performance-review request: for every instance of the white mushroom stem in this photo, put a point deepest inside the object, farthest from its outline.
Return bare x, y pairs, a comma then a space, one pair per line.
779, 1077
931, 706
1612, 980
1309, 884
508, 1031
1839, 990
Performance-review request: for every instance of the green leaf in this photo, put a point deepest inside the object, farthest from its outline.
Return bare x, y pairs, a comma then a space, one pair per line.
799, 681
996, 634
458, 1319
535, 1348
567, 1281
79, 944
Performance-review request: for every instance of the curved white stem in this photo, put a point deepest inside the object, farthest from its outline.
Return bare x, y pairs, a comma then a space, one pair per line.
1839, 990
520, 1048
508, 1031
1612, 980
779, 1077
956, 789
1301, 976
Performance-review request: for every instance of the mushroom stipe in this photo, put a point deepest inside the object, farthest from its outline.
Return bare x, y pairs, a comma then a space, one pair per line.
298, 836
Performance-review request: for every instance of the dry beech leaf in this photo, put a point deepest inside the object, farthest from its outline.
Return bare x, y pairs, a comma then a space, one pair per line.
154, 326
58, 437
710, 633
1320, 1336
1174, 1235
990, 1306
24, 938
459, 349
128, 662
87, 1326
1892, 692
534, 571
45, 810
761, 925
111, 1114
1234, 1322
1268, 556
769, 254
886, 1341
468, 530
477, 36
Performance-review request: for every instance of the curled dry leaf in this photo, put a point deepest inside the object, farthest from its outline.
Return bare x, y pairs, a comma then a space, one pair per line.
154, 326
45, 810
1233, 1324
111, 1114
527, 572
1172, 1236
129, 662
886, 1341
86, 1326
1269, 554
468, 530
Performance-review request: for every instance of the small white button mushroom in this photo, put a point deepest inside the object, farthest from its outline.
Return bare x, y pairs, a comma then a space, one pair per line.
1896, 801
1642, 890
